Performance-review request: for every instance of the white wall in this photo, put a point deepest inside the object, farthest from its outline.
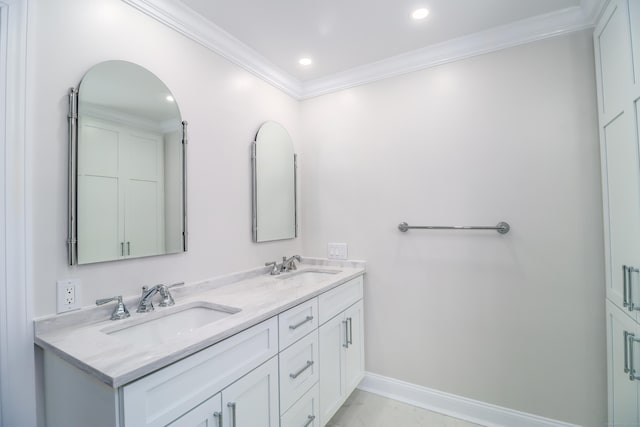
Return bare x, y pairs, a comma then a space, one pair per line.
514, 320
224, 106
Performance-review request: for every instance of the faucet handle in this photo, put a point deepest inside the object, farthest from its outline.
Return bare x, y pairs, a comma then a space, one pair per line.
275, 270
120, 311
167, 298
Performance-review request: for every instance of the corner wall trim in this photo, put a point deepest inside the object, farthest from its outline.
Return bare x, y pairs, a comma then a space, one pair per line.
452, 405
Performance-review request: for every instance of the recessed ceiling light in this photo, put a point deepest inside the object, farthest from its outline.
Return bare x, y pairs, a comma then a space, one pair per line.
420, 14
305, 61
169, 98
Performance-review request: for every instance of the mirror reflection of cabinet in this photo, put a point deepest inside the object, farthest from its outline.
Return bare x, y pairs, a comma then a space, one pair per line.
127, 189
274, 184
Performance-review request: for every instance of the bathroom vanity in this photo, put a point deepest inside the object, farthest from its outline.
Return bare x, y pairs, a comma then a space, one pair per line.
248, 349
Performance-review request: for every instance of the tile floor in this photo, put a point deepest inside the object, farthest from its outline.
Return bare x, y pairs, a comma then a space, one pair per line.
364, 409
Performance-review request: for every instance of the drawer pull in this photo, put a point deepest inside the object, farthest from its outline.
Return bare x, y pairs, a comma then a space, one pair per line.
297, 325
310, 419
218, 416
307, 366
232, 406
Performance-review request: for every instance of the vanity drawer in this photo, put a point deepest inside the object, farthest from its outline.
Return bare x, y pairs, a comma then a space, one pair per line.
298, 370
297, 322
162, 396
338, 299
304, 413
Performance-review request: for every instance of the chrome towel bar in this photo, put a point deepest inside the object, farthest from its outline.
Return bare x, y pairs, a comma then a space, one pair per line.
502, 227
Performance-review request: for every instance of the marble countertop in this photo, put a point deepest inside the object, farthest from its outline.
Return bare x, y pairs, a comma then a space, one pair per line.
79, 338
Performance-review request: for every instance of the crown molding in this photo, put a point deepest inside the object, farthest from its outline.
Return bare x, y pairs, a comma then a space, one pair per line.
182, 19
177, 16
510, 35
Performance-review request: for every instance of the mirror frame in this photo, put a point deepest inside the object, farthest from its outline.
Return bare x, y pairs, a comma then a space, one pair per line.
254, 192
72, 188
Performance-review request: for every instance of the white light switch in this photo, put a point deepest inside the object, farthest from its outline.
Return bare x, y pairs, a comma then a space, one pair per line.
337, 251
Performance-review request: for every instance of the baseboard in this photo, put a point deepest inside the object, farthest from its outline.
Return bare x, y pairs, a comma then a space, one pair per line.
470, 410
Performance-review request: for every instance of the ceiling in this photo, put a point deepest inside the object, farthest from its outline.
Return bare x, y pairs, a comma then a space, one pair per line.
342, 34
353, 42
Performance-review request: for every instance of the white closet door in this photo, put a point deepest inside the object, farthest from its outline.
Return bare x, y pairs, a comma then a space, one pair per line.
623, 392
619, 152
622, 174
99, 198
144, 205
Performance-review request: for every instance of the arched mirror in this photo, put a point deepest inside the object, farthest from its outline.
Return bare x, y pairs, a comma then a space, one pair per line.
127, 174
274, 184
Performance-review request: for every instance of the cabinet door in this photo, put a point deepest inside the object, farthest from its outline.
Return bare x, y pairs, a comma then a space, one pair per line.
252, 401
619, 153
142, 164
207, 414
354, 352
623, 391
99, 194
332, 343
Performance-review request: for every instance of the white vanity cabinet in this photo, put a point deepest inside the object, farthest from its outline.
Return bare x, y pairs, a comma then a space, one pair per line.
252, 401
341, 340
617, 55
269, 375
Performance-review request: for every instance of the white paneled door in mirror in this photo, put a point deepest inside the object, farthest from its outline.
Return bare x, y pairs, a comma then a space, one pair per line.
130, 199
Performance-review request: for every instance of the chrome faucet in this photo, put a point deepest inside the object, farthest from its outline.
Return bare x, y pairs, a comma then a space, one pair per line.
146, 305
286, 265
290, 263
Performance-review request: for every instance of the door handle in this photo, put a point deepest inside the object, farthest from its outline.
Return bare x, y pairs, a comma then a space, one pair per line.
232, 408
218, 416
625, 301
346, 334
350, 339
310, 419
128, 248
632, 370
629, 283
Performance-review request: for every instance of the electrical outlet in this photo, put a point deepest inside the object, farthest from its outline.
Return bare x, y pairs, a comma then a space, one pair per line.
67, 295
337, 250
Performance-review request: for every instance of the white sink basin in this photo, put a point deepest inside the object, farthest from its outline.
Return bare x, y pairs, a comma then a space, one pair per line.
305, 277
164, 326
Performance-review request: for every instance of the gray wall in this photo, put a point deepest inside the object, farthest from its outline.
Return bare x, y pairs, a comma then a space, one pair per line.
224, 106
515, 320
